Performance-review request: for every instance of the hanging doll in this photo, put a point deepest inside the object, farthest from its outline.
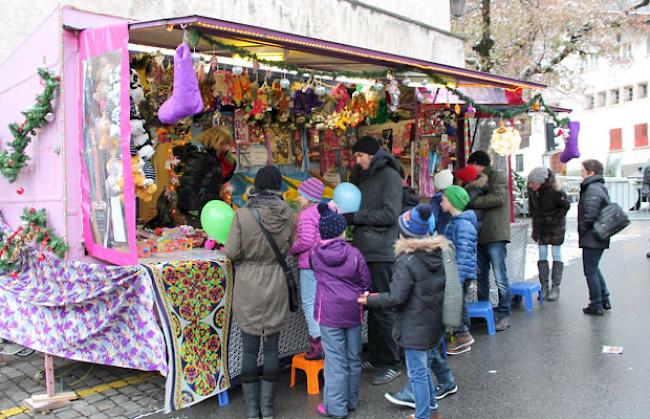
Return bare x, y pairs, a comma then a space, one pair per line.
340, 94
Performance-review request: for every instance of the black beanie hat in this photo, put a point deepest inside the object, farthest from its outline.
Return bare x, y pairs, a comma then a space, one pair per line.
366, 144
268, 178
331, 224
479, 158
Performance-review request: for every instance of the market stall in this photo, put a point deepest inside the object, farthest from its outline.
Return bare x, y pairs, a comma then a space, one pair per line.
136, 143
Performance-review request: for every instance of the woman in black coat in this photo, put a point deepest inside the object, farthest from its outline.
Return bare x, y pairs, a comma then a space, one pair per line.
593, 197
548, 205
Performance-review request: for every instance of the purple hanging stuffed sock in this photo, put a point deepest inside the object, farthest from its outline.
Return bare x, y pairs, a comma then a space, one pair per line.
186, 97
571, 147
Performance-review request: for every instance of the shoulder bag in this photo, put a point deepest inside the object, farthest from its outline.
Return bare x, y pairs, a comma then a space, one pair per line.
288, 273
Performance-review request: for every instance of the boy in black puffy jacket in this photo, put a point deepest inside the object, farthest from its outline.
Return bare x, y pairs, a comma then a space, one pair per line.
418, 292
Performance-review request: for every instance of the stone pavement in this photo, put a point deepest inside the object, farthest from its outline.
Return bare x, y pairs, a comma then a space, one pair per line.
105, 392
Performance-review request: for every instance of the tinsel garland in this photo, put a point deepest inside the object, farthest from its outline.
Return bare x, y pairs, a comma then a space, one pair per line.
14, 159
536, 103
32, 231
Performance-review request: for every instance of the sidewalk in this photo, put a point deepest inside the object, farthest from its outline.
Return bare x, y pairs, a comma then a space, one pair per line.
104, 392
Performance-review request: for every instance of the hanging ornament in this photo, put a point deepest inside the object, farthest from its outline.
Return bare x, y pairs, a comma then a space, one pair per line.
406, 81
470, 112
320, 90
237, 70
505, 140
457, 109
378, 86
41, 257
49, 117
20, 190
491, 123
536, 107
285, 83
424, 82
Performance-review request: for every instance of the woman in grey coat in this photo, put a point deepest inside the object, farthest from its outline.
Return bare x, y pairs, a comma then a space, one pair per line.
261, 300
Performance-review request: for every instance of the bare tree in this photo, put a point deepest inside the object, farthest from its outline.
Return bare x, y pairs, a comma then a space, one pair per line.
536, 39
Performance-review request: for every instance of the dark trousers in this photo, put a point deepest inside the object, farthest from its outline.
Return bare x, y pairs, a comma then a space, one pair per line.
382, 349
494, 254
251, 349
595, 282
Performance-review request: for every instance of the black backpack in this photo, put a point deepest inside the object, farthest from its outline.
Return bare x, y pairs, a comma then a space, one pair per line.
611, 220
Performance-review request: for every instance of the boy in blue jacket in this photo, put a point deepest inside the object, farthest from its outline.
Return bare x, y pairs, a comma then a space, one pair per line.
462, 232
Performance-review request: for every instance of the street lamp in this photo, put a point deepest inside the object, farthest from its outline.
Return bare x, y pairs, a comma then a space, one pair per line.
457, 8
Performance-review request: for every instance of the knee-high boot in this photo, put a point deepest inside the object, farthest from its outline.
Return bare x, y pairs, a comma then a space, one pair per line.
252, 399
558, 269
267, 399
542, 267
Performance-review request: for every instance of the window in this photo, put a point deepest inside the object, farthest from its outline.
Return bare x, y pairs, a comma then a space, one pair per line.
519, 163
602, 98
616, 139
625, 51
642, 90
628, 93
590, 62
614, 96
591, 102
640, 135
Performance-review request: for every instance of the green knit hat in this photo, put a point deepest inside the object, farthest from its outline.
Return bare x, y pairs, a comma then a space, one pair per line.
457, 197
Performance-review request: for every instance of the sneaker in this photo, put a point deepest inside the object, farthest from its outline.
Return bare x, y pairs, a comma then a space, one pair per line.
434, 415
593, 311
442, 392
607, 305
503, 324
367, 365
386, 376
460, 343
403, 398
320, 409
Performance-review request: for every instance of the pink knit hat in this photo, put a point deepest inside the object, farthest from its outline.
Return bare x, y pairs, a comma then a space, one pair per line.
312, 189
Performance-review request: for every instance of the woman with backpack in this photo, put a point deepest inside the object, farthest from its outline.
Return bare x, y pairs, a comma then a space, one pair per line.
548, 205
593, 198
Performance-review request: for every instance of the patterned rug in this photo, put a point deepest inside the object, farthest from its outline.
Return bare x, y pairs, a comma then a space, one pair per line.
194, 300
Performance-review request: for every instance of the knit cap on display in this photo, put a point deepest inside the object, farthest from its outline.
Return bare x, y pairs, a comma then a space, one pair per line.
538, 175
457, 197
417, 222
443, 179
331, 224
466, 174
312, 189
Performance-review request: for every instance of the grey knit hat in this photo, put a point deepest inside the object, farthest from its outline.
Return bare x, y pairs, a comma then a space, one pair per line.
538, 175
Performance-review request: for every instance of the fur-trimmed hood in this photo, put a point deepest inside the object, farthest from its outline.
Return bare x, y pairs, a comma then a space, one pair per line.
480, 182
427, 244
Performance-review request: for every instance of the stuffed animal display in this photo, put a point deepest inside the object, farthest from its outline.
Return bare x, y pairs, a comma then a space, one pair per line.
141, 144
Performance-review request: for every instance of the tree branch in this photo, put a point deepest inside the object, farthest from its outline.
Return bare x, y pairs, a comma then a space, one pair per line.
566, 49
485, 44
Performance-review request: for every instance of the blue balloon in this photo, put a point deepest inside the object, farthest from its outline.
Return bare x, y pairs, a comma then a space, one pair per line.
348, 197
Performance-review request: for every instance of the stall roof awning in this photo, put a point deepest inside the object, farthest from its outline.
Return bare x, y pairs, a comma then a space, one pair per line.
305, 52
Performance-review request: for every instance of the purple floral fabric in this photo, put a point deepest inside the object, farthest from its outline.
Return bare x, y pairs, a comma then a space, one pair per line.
86, 312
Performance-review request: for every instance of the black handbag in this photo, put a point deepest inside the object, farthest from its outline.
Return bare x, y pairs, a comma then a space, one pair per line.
611, 220
294, 304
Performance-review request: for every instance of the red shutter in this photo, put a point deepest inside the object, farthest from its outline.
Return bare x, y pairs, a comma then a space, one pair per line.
616, 139
641, 135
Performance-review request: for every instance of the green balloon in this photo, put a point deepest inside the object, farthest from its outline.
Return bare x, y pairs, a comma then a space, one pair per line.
216, 220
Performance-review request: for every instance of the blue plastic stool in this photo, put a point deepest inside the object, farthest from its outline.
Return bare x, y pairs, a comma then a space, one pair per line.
484, 310
527, 289
224, 399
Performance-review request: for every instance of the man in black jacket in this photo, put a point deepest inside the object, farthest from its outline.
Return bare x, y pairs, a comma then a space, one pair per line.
375, 232
593, 198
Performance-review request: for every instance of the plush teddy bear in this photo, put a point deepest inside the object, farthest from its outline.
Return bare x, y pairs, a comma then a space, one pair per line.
115, 178
144, 187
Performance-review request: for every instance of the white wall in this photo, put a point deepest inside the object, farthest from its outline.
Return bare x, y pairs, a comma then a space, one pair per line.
334, 20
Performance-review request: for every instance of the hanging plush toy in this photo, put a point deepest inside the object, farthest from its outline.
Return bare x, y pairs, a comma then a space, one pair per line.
393, 94
571, 150
144, 188
505, 140
186, 97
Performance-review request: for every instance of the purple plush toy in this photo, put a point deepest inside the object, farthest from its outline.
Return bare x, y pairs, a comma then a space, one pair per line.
571, 146
186, 97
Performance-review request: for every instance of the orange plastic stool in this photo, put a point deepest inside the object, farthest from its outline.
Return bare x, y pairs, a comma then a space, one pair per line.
311, 369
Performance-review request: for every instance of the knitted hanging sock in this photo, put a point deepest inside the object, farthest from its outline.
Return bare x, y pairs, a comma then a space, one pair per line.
186, 97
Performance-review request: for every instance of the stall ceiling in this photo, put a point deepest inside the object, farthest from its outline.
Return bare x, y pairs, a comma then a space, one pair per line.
305, 52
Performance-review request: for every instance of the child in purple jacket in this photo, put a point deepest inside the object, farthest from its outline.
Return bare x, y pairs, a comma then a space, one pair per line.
310, 194
341, 276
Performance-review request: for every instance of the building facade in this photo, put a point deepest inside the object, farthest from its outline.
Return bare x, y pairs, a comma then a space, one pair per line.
414, 28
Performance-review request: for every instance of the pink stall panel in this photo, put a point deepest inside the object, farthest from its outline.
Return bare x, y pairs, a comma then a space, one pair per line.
41, 184
95, 42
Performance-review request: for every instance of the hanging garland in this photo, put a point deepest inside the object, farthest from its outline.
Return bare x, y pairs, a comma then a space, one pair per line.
535, 103
33, 230
13, 160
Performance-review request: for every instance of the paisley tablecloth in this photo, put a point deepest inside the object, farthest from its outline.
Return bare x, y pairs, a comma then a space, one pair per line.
194, 300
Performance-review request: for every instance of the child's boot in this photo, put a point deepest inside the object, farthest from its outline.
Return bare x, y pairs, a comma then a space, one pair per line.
251, 399
315, 349
558, 269
542, 267
267, 399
